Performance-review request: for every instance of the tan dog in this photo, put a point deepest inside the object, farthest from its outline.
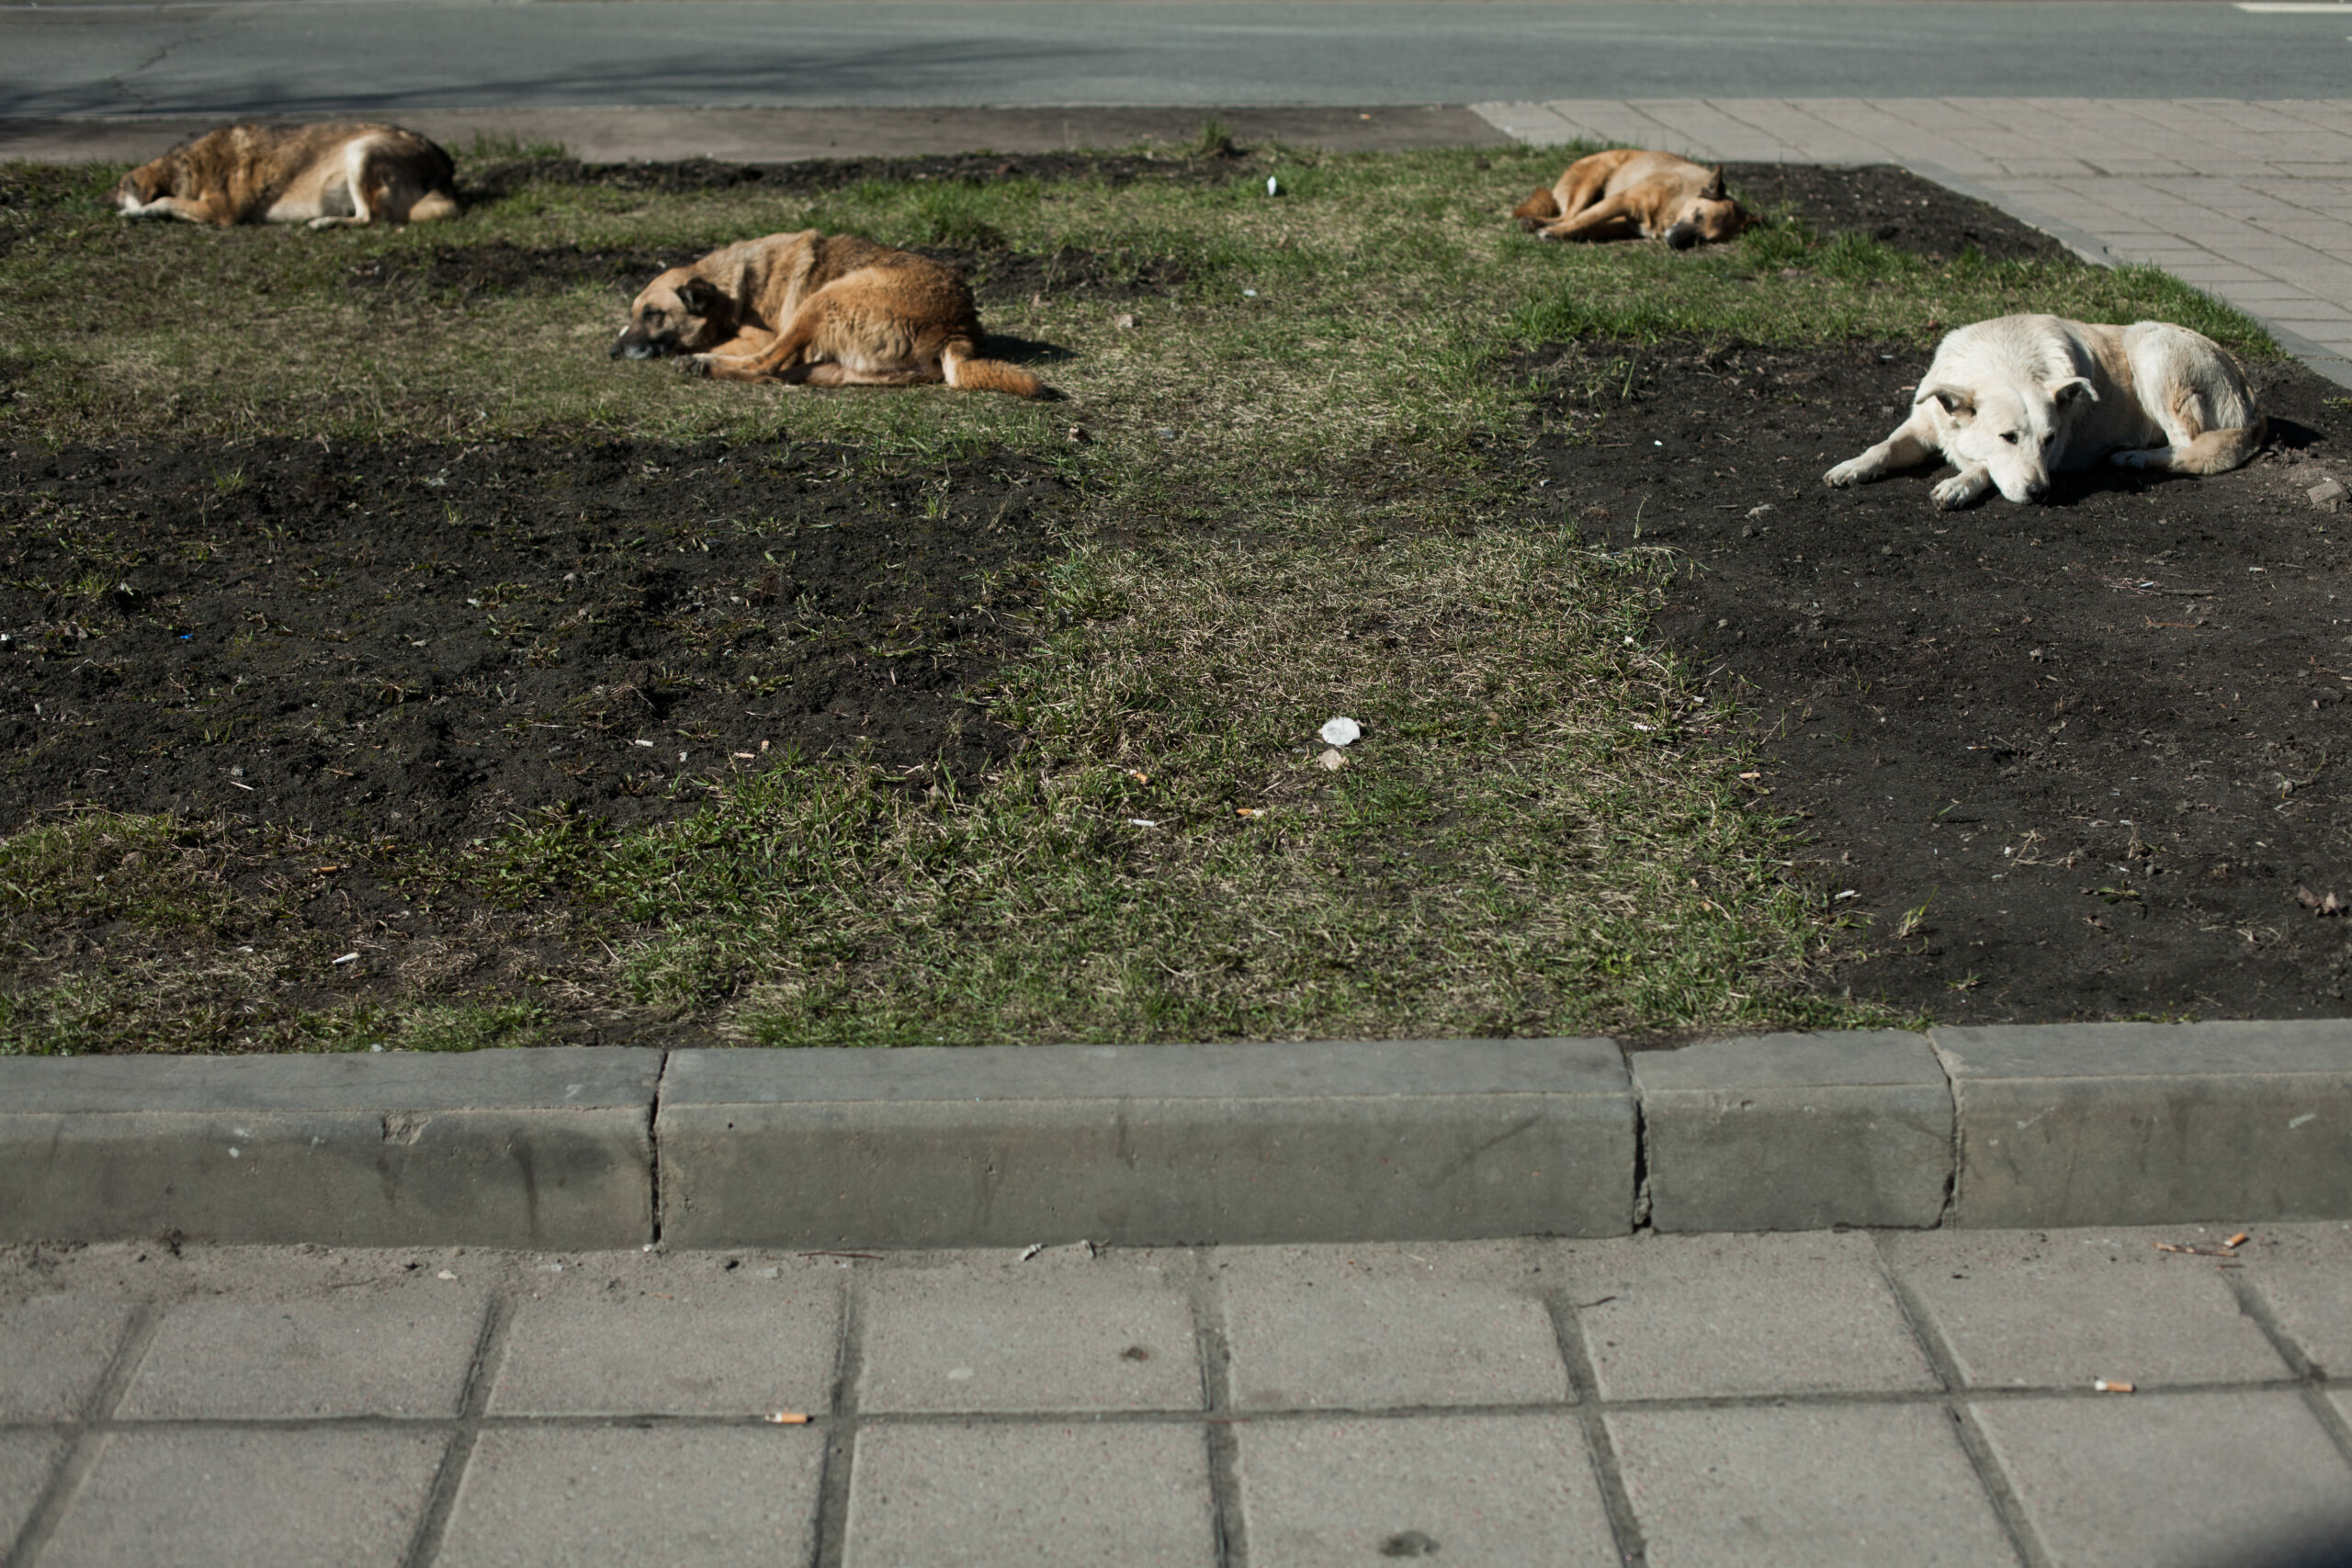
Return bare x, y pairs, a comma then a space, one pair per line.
326, 176
2011, 401
831, 310
1612, 195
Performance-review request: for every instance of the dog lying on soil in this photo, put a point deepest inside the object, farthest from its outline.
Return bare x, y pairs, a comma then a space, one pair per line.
1612, 195
2011, 401
326, 176
831, 310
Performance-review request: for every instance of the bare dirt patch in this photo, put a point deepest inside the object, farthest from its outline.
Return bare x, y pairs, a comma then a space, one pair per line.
2101, 741
491, 179
461, 272
1892, 206
422, 642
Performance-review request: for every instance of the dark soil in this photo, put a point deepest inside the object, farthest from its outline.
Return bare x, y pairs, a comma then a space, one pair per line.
1891, 205
422, 642
486, 180
998, 275
2102, 741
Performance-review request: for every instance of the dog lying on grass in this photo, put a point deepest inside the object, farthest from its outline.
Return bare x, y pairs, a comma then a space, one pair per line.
1612, 195
831, 310
2011, 401
326, 176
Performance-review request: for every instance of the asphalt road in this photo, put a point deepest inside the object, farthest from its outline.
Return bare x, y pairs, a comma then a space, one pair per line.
313, 57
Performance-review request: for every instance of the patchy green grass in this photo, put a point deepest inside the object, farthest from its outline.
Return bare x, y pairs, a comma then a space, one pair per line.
1305, 454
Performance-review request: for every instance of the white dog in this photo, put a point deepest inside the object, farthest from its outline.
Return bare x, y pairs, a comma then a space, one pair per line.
2010, 401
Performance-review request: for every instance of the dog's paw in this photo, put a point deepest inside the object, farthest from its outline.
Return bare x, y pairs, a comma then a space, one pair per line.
1853, 471
1954, 494
695, 364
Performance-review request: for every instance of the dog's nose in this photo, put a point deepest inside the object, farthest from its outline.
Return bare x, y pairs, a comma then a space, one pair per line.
620, 346
2036, 489
1682, 236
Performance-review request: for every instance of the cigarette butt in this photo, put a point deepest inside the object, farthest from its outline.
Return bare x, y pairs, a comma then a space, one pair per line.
2109, 1386
2238, 1240
786, 1418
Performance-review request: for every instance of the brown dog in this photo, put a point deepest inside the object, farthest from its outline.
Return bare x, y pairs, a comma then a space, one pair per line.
831, 310
326, 176
1612, 196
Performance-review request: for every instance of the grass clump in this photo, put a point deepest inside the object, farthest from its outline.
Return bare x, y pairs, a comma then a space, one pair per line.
1510, 850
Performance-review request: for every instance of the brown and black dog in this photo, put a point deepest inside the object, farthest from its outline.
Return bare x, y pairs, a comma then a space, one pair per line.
828, 309
326, 176
1612, 195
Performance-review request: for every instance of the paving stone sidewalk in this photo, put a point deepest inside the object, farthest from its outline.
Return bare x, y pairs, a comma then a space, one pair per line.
1817, 1399
2248, 201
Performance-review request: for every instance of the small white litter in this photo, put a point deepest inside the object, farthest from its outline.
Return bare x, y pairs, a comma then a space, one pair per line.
1342, 731
348, 958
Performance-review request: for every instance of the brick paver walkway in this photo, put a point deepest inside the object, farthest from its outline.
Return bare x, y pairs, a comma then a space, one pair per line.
1812, 1400
2249, 201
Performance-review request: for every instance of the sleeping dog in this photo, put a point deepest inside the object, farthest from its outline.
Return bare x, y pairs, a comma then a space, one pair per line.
831, 310
324, 175
1612, 195
2011, 401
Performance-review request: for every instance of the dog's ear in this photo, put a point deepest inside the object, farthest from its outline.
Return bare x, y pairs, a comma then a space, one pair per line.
1714, 191
700, 297
1957, 403
2071, 390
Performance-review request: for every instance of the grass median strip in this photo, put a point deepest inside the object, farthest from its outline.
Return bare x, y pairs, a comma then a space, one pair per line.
1290, 480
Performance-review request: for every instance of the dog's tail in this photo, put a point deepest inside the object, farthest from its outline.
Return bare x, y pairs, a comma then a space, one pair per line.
966, 371
1541, 208
2219, 451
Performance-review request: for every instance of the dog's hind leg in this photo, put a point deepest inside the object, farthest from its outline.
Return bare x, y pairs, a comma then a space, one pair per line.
1911, 444
2198, 398
2191, 447
357, 155
1606, 220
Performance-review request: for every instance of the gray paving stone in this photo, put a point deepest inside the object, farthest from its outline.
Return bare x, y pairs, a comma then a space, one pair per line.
1796, 1131
1805, 1486
703, 1346
1032, 1496
1681, 1318
404, 1352
2064, 1308
2312, 1301
1382, 1327
53, 1350
1063, 1331
2150, 1124
1498, 1490
2172, 1481
197, 1497
1146, 1146
539, 1148
25, 1461
637, 1498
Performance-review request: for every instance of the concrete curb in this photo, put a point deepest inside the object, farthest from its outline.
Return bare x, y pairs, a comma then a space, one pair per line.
2066, 1124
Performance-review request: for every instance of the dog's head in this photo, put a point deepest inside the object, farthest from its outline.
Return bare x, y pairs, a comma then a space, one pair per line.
2016, 431
143, 185
679, 313
1710, 216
